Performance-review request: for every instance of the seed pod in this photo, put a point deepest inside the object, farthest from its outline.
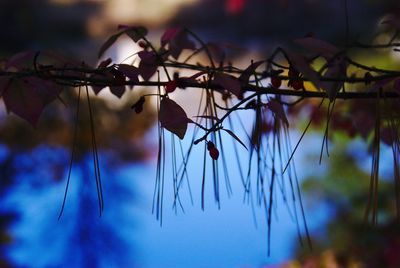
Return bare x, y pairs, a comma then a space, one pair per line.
210, 145
214, 153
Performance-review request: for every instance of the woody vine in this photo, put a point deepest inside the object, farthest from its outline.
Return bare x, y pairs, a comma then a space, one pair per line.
321, 79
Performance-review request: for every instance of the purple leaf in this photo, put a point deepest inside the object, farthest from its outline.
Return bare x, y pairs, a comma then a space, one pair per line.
28, 97
129, 71
173, 117
191, 79
117, 90
148, 64
107, 75
228, 82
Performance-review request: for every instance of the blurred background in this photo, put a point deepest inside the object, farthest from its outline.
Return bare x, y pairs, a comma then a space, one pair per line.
34, 163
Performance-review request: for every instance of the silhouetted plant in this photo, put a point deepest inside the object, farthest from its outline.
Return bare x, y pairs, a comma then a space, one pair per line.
353, 97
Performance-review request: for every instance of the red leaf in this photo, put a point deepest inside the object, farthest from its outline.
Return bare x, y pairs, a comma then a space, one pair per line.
148, 64
228, 82
173, 117
277, 108
27, 97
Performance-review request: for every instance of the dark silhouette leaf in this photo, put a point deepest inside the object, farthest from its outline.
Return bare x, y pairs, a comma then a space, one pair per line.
228, 82
173, 117
28, 97
148, 64
235, 137
107, 75
135, 33
129, 71
117, 90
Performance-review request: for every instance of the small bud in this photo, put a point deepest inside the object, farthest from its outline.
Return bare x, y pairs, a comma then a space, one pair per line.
142, 44
210, 145
214, 153
276, 82
171, 86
